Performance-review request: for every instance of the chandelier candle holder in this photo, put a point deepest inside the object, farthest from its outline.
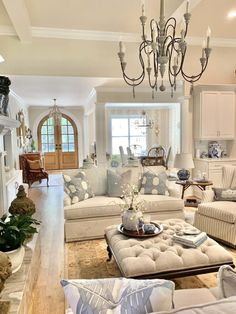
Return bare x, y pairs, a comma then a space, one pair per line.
55, 113
164, 52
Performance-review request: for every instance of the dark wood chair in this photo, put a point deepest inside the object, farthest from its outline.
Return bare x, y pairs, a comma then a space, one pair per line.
34, 171
152, 161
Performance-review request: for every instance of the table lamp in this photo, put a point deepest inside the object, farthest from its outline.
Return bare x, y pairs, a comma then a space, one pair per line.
183, 161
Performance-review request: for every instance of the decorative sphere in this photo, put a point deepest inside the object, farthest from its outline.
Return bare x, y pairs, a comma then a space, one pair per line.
162, 88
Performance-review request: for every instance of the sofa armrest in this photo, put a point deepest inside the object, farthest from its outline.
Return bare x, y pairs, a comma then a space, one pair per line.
66, 200
207, 196
174, 192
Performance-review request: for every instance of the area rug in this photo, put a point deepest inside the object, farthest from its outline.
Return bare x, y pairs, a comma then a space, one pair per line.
88, 260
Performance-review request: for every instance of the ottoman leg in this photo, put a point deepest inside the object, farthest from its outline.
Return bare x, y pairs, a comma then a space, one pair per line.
109, 254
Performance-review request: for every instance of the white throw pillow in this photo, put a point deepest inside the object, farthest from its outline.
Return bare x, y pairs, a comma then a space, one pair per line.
226, 281
118, 295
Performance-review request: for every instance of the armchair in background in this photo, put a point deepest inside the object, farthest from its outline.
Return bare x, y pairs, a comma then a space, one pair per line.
34, 171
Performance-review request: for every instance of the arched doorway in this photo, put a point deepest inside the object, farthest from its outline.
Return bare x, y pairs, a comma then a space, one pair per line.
59, 143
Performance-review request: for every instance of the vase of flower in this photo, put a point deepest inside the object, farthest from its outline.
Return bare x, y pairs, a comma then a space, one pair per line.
131, 219
132, 208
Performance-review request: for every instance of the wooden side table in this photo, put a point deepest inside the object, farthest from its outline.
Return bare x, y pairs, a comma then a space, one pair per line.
186, 184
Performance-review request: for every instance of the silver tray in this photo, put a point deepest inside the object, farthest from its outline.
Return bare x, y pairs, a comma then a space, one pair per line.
141, 233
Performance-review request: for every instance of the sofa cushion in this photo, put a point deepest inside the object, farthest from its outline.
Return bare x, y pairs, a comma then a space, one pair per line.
188, 297
116, 182
136, 174
224, 194
118, 295
227, 281
224, 306
97, 178
79, 189
221, 210
155, 203
154, 184
98, 206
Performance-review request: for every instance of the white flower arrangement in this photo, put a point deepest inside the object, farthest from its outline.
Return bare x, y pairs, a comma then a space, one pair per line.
131, 200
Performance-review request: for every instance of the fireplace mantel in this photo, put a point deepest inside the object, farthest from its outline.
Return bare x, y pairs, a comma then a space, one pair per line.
7, 124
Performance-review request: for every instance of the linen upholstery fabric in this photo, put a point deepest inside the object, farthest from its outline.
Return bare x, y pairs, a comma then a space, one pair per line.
228, 172
34, 164
159, 254
119, 295
227, 281
154, 184
208, 196
116, 182
224, 211
224, 306
79, 188
224, 194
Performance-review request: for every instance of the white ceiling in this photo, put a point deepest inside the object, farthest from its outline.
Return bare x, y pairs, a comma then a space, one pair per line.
62, 49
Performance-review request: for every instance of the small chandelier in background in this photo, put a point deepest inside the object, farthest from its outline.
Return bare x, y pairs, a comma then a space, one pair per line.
164, 51
55, 113
144, 122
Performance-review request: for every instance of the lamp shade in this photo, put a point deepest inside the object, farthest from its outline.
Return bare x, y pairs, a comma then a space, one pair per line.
183, 161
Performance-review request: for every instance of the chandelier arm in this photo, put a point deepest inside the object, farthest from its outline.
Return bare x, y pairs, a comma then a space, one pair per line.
194, 78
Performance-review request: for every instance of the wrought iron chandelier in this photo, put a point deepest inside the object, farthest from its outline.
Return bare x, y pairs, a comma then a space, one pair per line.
164, 51
146, 122
55, 113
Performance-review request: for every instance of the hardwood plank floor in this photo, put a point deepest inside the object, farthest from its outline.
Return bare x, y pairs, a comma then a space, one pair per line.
47, 294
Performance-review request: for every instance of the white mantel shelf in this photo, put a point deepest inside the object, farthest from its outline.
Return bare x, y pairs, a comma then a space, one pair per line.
7, 124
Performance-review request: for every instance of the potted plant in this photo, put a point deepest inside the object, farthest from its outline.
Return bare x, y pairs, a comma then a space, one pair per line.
132, 208
14, 231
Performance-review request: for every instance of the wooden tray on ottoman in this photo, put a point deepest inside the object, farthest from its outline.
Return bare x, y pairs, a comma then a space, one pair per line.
141, 233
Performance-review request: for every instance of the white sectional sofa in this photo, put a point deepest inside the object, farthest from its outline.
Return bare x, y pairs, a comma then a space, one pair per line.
87, 219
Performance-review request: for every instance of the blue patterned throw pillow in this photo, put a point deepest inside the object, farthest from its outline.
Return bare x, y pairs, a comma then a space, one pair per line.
154, 183
119, 295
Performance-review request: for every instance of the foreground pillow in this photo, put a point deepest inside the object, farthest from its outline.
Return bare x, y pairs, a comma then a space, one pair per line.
154, 183
225, 194
121, 295
116, 181
77, 188
227, 281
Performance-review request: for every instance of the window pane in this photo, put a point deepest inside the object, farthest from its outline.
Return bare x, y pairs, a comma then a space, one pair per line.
71, 138
71, 147
45, 148
70, 129
51, 148
44, 138
65, 147
64, 129
50, 138
63, 121
44, 130
119, 141
64, 138
119, 127
50, 129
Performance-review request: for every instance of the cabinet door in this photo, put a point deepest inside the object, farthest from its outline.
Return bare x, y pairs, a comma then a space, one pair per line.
209, 116
226, 115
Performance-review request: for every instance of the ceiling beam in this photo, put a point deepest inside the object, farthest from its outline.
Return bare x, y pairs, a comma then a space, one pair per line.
18, 14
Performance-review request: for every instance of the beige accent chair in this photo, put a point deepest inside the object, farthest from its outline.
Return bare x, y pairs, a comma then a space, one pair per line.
218, 218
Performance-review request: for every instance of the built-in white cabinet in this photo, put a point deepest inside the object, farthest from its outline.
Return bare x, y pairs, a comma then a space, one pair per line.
212, 169
214, 115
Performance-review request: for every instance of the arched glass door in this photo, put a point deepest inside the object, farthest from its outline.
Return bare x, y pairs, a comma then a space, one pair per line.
58, 143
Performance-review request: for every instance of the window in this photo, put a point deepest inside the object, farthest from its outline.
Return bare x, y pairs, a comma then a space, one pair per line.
47, 136
124, 132
67, 134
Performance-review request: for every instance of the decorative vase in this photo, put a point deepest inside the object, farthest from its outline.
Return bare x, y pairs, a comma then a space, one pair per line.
131, 219
22, 204
16, 257
4, 91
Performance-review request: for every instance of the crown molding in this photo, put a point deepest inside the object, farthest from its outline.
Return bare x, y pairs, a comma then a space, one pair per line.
61, 33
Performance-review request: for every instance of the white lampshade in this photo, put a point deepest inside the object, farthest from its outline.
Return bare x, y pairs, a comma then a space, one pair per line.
183, 161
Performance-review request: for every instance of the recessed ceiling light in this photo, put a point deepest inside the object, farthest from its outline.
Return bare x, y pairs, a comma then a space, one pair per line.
232, 14
1, 59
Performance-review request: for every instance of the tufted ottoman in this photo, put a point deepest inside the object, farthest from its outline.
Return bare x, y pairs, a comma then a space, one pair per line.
160, 257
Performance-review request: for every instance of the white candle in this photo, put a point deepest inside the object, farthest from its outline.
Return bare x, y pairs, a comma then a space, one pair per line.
175, 60
203, 47
122, 47
148, 55
162, 8
187, 6
208, 36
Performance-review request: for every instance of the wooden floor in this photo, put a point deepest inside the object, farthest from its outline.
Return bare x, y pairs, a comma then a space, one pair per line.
47, 295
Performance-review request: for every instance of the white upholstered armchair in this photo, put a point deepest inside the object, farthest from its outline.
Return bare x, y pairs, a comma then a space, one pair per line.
216, 215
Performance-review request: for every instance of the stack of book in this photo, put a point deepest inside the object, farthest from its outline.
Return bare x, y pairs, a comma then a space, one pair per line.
191, 240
